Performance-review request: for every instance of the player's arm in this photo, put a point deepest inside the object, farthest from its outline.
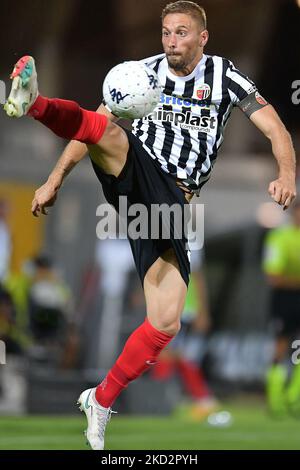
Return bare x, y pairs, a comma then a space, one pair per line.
74, 152
244, 94
283, 189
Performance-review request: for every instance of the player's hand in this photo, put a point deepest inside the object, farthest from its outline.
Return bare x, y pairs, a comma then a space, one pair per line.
44, 197
283, 191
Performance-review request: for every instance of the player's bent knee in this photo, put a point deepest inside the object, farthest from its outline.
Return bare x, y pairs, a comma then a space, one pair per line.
164, 314
171, 328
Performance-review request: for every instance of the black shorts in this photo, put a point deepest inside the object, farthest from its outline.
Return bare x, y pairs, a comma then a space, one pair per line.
144, 182
285, 312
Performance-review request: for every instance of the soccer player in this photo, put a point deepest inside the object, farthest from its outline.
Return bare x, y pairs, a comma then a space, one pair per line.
166, 158
281, 264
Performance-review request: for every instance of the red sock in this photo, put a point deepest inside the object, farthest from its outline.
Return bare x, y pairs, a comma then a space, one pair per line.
164, 369
140, 352
193, 379
68, 120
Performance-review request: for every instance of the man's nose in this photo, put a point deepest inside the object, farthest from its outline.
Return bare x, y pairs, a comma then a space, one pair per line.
172, 40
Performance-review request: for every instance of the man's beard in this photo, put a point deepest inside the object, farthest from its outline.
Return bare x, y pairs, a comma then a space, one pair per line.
176, 62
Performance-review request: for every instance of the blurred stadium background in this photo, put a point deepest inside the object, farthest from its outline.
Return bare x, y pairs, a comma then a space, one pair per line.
94, 296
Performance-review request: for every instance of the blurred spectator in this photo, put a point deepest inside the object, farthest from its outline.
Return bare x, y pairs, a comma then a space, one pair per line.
9, 333
5, 240
186, 352
18, 285
49, 305
281, 264
43, 307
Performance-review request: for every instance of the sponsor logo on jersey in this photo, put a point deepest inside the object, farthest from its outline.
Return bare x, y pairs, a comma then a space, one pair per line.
203, 92
181, 101
186, 120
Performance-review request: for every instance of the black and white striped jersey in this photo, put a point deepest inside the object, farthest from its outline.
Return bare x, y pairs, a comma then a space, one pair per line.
187, 127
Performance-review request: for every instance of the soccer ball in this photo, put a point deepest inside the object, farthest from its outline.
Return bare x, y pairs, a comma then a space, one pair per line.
131, 90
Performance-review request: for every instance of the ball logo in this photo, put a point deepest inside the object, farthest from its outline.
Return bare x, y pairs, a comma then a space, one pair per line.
153, 82
117, 95
203, 92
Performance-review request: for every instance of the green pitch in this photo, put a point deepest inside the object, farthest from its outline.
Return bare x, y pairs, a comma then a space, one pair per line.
251, 429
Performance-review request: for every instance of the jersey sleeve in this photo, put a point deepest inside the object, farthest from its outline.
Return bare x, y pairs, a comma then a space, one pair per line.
152, 61
243, 91
273, 254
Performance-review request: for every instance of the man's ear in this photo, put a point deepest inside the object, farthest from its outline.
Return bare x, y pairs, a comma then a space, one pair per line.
204, 38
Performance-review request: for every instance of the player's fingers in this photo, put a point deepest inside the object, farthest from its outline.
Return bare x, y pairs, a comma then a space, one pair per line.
36, 211
289, 199
44, 210
272, 188
277, 194
287, 194
34, 206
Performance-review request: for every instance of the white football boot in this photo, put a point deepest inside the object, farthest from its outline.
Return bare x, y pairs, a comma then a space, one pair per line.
97, 417
24, 90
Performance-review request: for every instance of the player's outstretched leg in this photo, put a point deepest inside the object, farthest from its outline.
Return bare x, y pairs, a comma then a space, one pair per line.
24, 89
107, 142
65, 118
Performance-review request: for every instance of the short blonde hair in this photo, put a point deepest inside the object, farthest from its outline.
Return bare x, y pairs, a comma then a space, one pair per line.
189, 8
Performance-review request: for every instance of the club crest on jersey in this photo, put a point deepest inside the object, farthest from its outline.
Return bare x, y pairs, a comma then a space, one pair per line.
203, 92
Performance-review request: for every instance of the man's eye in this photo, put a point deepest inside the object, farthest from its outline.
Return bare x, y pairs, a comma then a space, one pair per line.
165, 33
182, 33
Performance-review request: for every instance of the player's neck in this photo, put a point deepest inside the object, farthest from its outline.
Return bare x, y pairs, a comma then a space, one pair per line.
189, 68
